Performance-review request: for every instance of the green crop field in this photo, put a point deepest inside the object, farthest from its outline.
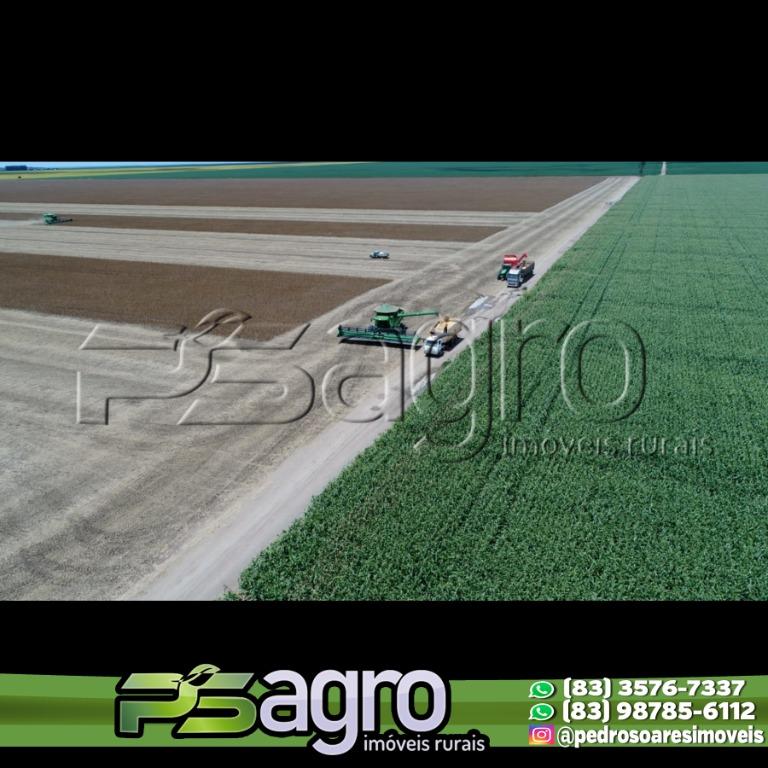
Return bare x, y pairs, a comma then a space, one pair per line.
363, 170
425, 169
710, 168
682, 260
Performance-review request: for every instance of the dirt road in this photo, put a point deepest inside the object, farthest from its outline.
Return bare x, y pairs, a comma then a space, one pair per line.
295, 215
432, 232
213, 562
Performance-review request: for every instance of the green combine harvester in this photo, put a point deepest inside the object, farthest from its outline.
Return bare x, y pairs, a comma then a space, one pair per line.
386, 325
53, 218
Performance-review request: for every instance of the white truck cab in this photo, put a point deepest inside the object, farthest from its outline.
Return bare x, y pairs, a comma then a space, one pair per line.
434, 346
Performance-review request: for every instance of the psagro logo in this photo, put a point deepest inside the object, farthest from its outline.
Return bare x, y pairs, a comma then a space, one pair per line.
210, 703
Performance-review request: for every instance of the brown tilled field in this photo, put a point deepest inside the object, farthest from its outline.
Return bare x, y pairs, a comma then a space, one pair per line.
168, 295
434, 232
433, 194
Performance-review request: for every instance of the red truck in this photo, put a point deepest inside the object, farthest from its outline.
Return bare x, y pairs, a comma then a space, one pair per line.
511, 261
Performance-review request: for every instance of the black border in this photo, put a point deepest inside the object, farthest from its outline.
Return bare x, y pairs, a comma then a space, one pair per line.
489, 640
594, 109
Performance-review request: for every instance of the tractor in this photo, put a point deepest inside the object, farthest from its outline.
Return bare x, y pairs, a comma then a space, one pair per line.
52, 218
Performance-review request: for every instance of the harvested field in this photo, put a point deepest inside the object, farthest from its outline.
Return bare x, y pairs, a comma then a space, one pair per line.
169, 295
304, 228
279, 253
492, 219
94, 511
429, 194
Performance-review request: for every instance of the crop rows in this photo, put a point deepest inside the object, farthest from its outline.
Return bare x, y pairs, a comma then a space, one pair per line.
709, 168
683, 261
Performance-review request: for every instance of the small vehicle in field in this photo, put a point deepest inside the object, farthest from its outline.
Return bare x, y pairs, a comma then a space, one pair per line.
53, 218
379, 255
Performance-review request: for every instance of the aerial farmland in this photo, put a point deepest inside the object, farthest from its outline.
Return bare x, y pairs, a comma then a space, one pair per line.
181, 420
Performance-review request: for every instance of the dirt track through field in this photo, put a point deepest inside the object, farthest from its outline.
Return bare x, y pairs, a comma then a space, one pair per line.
287, 227
465, 194
20, 216
336, 216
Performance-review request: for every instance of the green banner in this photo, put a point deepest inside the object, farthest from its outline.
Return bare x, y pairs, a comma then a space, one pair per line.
393, 712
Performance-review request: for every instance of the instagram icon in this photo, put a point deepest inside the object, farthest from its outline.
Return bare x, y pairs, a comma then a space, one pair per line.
541, 734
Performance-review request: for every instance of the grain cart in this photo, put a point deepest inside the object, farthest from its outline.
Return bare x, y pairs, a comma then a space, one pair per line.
444, 334
386, 325
52, 218
510, 261
519, 275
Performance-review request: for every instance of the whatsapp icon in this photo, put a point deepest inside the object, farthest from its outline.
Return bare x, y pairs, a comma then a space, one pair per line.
542, 712
541, 690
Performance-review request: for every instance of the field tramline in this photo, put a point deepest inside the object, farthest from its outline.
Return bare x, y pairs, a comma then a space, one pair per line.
681, 261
